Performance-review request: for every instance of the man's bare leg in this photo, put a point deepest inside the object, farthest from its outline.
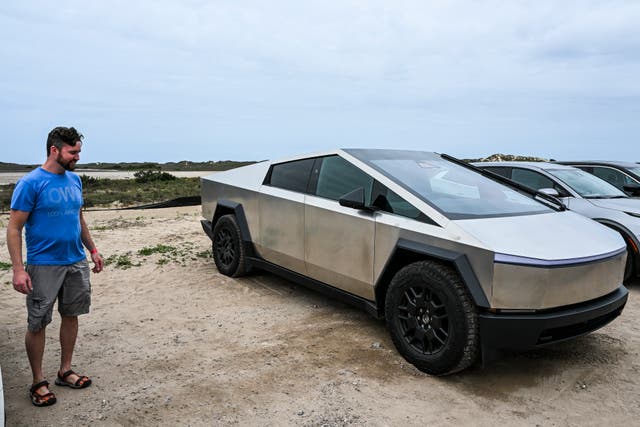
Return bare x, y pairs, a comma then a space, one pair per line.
68, 335
34, 342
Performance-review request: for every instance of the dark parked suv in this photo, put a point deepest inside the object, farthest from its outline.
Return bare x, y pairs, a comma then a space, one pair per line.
623, 175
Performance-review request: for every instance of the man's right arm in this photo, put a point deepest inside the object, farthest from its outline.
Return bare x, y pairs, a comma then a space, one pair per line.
21, 279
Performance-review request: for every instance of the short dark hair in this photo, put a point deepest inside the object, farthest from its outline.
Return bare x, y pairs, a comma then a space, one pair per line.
61, 135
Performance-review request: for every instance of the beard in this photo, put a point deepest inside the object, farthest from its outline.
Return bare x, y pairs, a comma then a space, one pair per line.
67, 165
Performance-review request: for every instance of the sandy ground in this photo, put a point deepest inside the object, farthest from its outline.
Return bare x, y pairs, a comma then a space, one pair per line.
170, 341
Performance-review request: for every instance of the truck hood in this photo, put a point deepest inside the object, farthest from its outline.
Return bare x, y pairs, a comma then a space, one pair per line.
555, 236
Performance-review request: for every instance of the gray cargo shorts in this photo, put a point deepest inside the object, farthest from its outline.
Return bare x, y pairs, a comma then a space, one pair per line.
69, 284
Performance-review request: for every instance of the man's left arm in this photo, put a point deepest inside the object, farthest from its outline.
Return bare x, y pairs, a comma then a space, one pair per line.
87, 241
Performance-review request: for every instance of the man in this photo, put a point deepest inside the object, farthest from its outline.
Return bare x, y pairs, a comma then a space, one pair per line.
47, 202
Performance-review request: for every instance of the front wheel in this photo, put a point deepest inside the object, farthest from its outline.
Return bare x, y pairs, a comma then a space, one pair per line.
228, 250
431, 318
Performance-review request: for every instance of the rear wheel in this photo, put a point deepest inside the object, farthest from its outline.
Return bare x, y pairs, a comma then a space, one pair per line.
228, 250
432, 319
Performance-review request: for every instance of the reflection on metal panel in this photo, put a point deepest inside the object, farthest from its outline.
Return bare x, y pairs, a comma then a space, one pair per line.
518, 260
390, 228
553, 236
339, 246
208, 198
281, 216
214, 191
521, 287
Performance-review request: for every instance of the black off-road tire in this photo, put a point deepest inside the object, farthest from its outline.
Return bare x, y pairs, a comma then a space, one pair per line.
432, 319
228, 250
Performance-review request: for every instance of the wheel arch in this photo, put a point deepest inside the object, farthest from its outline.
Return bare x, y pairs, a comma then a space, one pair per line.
628, 236
229, 207
407, 252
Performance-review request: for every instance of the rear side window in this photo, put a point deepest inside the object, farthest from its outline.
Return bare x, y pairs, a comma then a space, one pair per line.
506, 172
612, 176
338, 177
531, 179
292, 176
389, 201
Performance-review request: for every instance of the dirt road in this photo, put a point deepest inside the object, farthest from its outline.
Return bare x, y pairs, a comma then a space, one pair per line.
172, 342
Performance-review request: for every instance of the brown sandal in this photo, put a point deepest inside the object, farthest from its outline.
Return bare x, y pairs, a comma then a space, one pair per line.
82, 381
37, 399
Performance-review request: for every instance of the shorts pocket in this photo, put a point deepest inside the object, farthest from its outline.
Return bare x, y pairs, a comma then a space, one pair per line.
39, 311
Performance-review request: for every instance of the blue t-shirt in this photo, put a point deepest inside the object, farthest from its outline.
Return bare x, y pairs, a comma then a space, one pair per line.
52, 230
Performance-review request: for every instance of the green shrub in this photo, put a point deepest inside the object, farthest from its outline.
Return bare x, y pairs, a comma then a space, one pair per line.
5, 196
150, 175
88, 180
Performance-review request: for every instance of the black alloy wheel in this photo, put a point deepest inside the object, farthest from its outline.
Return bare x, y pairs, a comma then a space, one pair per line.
228, 250
225, 248
423, 319
432, 319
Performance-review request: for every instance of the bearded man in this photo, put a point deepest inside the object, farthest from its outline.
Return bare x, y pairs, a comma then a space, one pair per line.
47, 203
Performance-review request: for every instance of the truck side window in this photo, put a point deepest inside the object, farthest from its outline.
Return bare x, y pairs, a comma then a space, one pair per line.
292, 176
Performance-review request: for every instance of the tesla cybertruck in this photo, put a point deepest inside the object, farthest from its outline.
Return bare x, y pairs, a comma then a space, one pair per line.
459, 264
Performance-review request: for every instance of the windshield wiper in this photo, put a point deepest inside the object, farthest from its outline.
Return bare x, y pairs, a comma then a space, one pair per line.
548, 198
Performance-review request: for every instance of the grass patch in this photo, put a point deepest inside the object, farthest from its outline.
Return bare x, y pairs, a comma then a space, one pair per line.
5, 266
182, 255
157, 249
121, 261
170, 254
204, 254
119, 223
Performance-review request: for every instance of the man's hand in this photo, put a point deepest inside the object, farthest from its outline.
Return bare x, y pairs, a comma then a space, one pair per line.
22, 282
98, 263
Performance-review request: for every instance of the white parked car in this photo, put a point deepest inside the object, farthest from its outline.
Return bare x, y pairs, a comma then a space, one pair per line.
583, 193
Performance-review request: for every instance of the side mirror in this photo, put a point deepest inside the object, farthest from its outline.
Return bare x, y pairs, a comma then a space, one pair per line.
550, 192
354, 199
632, 189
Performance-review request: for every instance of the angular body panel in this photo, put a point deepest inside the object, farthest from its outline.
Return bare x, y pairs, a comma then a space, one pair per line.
339, 246
390, 229
360, 223
213, 192
539, 288
536, 236
281, 228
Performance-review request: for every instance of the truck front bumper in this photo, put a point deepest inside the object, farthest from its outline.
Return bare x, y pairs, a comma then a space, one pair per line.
521, 331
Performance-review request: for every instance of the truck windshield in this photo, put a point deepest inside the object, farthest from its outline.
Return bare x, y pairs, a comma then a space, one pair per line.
587, 185
455, 191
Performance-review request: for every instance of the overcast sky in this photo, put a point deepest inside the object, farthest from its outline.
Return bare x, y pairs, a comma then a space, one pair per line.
169, 80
